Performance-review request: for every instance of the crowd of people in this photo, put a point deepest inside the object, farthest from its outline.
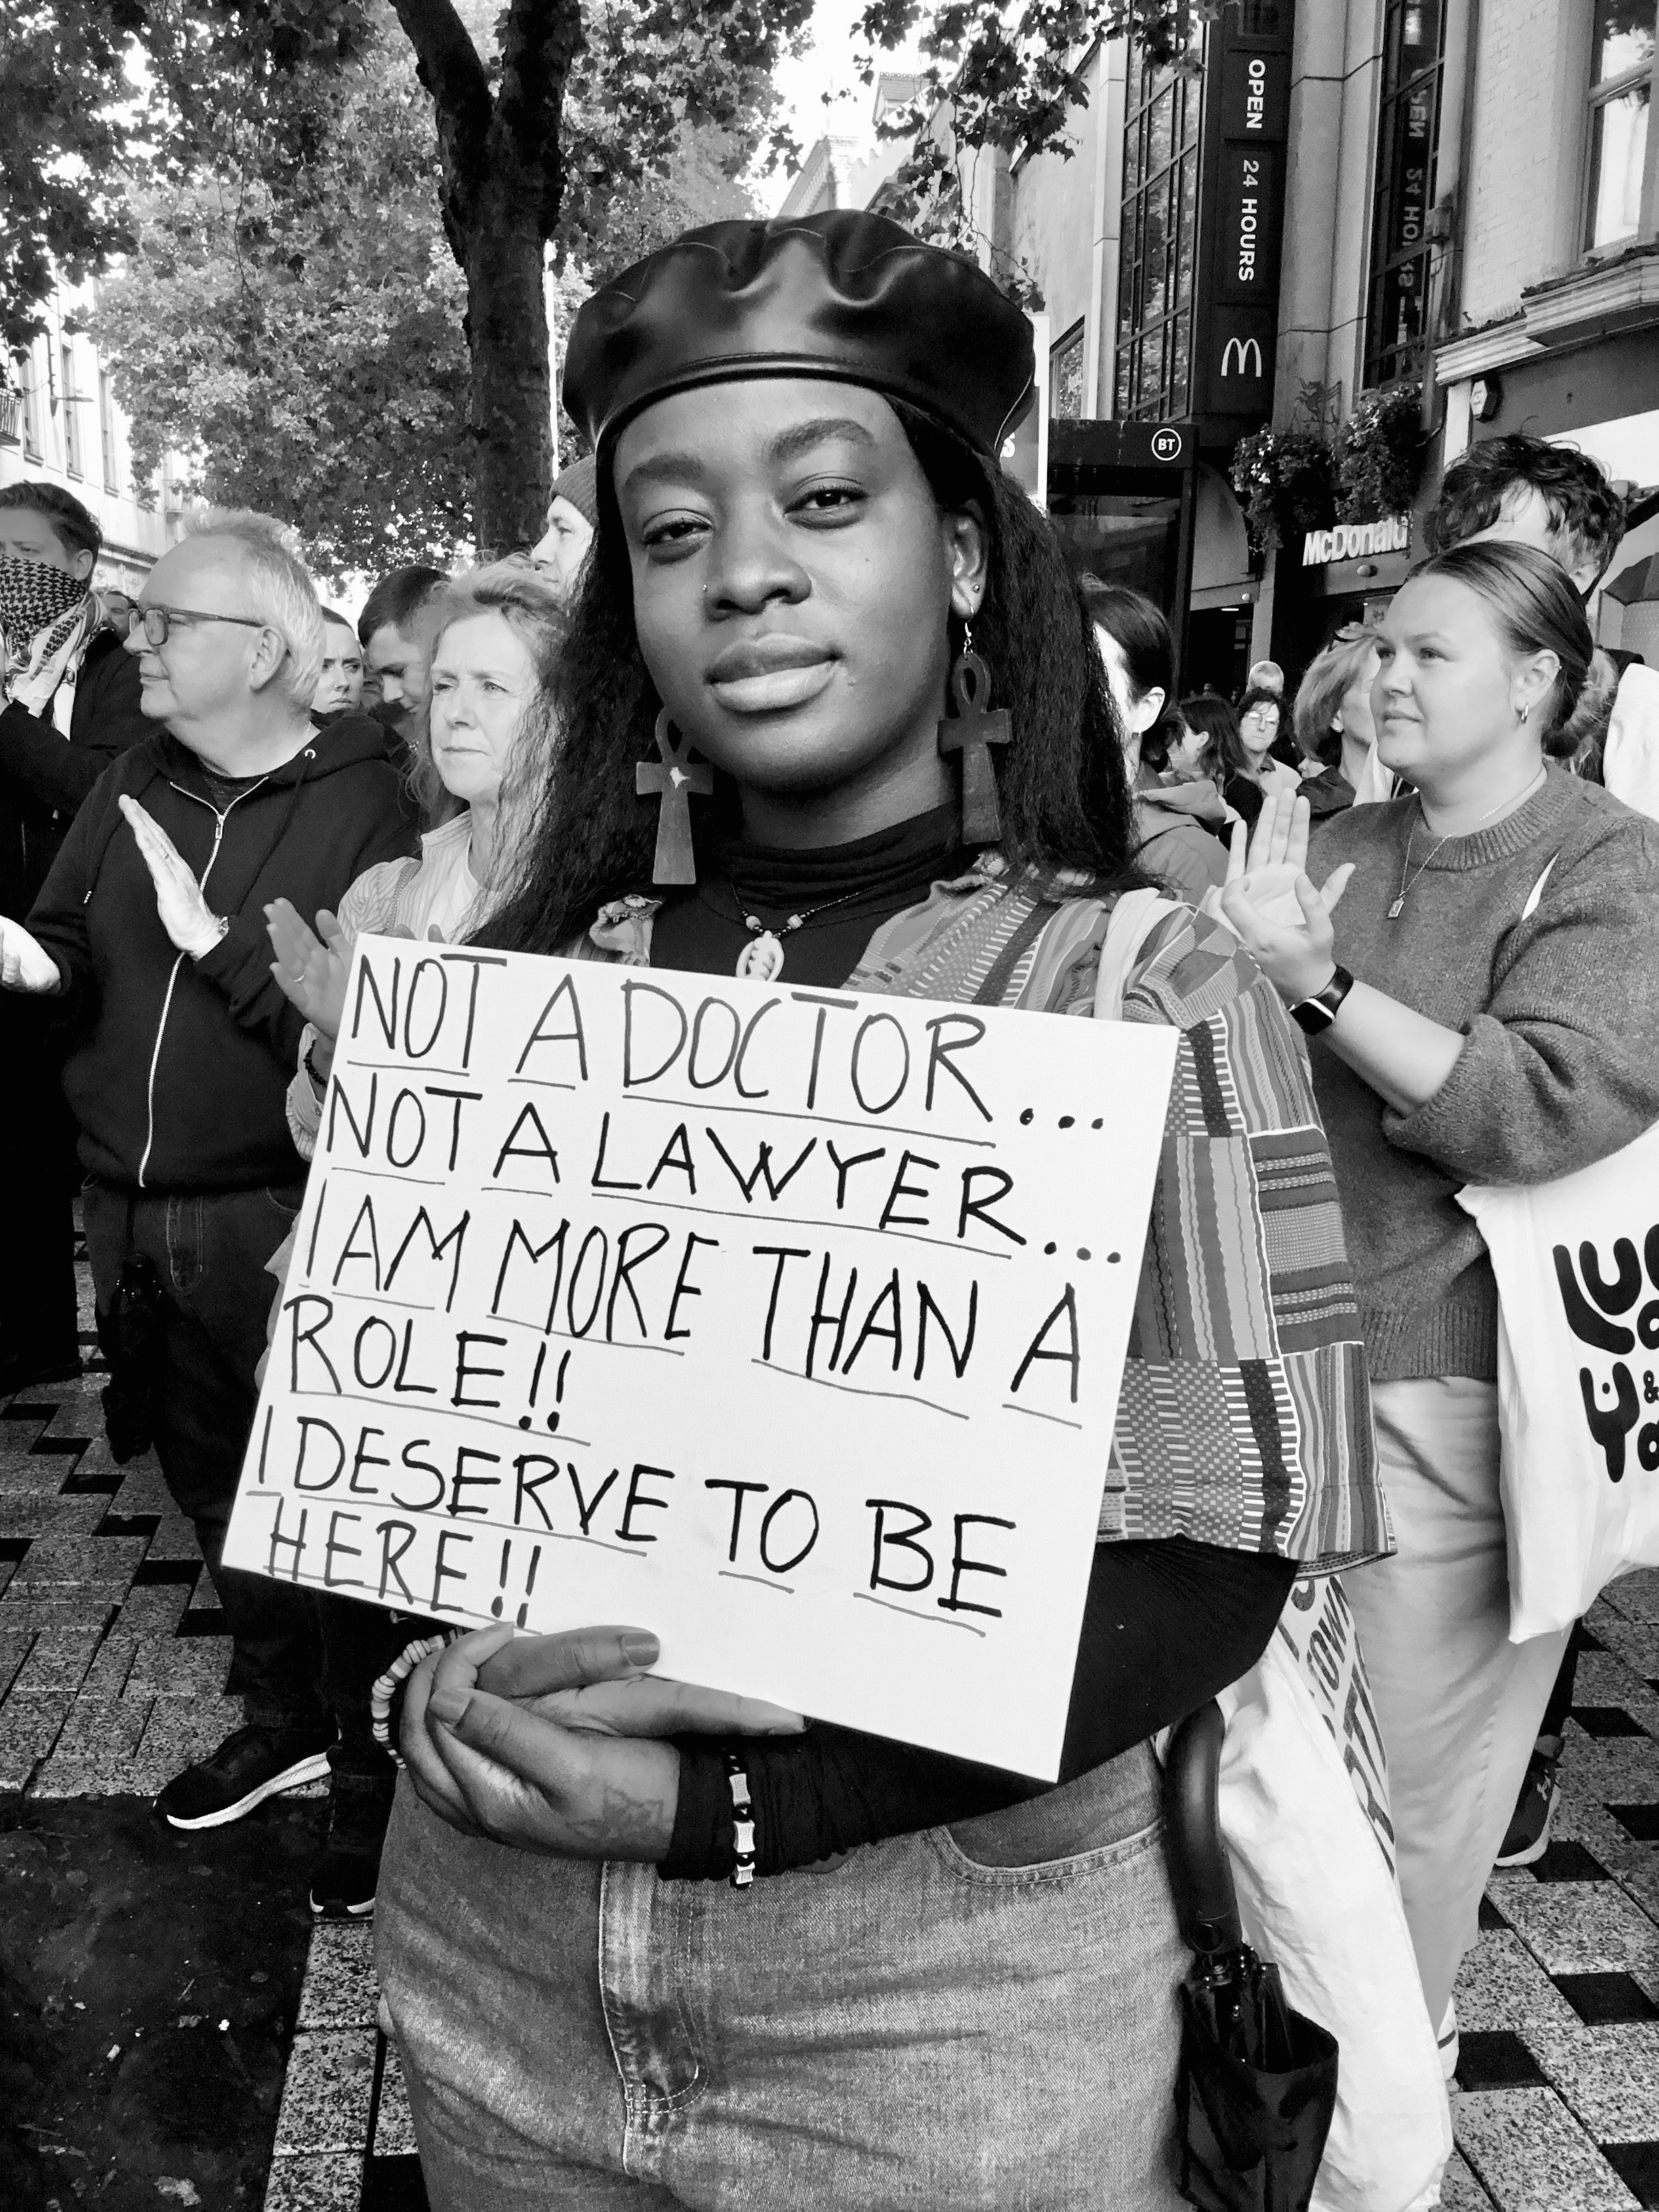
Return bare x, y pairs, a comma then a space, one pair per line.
1401, 942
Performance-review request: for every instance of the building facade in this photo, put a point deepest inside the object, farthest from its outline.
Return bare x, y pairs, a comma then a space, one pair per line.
60, 422
1327, 202
1557, 328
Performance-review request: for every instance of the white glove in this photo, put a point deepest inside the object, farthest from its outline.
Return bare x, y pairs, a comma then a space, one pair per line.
25, 963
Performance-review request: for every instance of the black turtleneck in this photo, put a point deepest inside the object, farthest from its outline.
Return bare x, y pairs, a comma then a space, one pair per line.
1166, 1623
844, 893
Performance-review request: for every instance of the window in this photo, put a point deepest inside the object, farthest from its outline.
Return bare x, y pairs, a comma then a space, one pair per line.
1065, 374
11, 401
1408, 124
1159, 237
106, 433
71, 418
1621, 73
28, 379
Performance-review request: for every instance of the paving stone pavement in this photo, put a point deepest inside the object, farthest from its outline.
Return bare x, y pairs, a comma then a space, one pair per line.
112, 1665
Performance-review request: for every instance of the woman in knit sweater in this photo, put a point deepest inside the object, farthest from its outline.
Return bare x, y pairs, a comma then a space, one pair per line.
1500, 1024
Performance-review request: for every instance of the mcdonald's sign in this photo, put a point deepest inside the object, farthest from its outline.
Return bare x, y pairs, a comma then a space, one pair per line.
1246, 79
1241, 357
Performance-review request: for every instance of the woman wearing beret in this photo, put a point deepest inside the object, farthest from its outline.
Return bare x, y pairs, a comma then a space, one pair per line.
948, 1986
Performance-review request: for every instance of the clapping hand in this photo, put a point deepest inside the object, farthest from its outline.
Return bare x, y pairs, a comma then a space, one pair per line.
310, 967
550, 1743
25, 963
185, 915
1274, 907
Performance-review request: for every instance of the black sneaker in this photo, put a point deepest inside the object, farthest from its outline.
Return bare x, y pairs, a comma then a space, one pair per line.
250, 1764
31, 1370
1528, 1835
343, 1881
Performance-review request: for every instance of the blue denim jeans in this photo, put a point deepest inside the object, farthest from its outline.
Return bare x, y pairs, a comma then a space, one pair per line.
977, 2017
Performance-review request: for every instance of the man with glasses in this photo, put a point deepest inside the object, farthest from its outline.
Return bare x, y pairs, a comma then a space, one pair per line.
69, 705
150, 933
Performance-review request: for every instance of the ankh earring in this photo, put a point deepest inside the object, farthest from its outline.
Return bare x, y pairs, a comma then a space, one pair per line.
971, 730
674, 781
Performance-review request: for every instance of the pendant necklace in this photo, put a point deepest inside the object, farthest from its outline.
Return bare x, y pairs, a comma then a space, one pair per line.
763, 959
1406, 879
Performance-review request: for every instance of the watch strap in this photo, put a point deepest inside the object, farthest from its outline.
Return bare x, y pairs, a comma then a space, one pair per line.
1319, 1010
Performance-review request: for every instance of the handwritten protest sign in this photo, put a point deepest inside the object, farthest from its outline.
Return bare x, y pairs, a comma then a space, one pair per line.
1577, 1267
786, 1324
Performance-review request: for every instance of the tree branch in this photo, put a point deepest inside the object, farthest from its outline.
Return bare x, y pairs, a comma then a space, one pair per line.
447, 65
540, 39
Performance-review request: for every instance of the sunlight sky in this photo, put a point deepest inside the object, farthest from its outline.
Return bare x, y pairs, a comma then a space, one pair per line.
827, 67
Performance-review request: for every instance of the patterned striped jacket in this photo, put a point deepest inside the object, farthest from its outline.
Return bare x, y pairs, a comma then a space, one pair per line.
1245, 1415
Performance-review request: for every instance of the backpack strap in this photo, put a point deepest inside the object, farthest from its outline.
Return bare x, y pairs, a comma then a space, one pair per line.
1020, 939
1134, 917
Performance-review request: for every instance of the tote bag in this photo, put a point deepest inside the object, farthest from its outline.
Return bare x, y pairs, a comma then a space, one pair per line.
1577, 1267
1304, 1814
1303, 1805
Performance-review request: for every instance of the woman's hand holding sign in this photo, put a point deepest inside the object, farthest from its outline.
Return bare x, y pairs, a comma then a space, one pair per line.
551, 1743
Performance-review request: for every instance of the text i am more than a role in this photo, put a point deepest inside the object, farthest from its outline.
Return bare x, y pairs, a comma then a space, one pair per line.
789, 1324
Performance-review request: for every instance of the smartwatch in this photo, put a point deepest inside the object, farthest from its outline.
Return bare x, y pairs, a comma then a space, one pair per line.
1318, 1012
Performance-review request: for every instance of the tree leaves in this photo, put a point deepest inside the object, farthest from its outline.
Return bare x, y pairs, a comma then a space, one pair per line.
100, 96
306, 346
1003, 76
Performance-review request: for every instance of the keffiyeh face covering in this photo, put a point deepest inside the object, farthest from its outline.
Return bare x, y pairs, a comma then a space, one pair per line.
35, 596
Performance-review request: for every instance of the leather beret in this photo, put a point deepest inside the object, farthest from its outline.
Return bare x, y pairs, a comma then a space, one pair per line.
846, 295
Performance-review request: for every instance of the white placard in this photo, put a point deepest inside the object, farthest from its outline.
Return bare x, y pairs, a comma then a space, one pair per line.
786, 1324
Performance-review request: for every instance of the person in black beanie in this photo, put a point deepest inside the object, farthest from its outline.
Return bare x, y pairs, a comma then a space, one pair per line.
573, 513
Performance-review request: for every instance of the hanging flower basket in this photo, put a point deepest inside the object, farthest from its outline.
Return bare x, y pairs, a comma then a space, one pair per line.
1285, 478
1379, 453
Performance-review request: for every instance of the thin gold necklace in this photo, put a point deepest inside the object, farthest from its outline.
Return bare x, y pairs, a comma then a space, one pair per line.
1405, 882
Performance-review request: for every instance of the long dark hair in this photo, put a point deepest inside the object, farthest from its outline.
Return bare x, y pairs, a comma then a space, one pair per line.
1137, 626
1063, 792
1212, 717
1535, 610
1219, 720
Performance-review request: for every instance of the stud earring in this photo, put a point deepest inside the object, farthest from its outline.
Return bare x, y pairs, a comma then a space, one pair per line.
971, 730
673, 779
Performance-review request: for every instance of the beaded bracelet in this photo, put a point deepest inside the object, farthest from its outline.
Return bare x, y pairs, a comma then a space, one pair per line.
388, 1686
743, 1822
